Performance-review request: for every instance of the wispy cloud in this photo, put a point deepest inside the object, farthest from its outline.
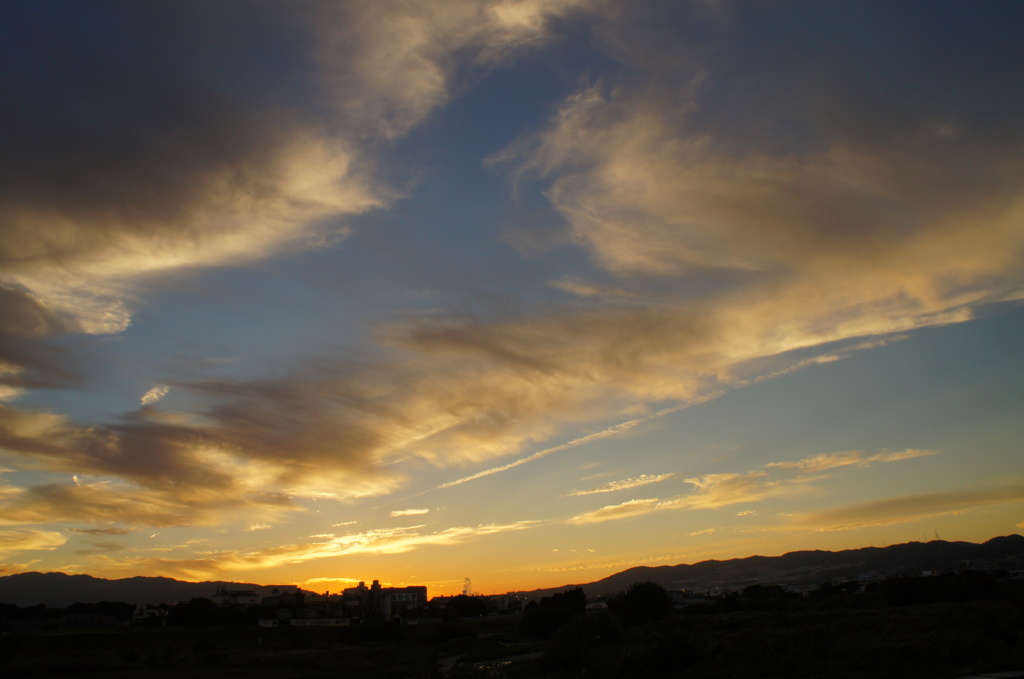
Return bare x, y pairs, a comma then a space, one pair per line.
155, 394
624, 484
624, 510
714, 491
106, 503
28, 539
409, 512
824, 461
383, 541
706, 531
721, 490
390, 64
908, 507
343, 581
100, 531
610, 431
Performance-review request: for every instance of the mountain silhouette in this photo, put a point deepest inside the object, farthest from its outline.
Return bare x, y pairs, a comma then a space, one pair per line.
58, 590
810, 567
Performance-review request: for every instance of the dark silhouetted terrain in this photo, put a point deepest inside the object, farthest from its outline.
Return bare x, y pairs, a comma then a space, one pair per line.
58, 590
817, 566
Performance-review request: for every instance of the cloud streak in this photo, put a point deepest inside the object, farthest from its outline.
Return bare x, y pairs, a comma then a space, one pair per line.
17, 540
714, 491
380, 541
908, 508
409, 512
624, 484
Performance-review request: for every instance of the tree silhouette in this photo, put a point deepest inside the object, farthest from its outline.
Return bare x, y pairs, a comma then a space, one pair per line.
572, 600
641, 603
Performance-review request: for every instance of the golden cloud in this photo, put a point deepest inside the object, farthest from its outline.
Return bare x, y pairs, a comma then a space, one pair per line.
382, 541
624, 484
390, 64
28, 539
409, 512
131, 506
623, 510
714, 491
824, 461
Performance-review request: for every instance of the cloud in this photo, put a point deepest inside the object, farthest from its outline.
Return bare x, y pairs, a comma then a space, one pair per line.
100, 531
611, 431
908, 508
100, 548
824, 461
624, 484
908, 454
345, 581
27, 358
834, 271
720, 490
409, 512
155, 394
624, 510
232, 458
390, 64
839, 233
28, 539
187, 162
126, 505
382, 541
714, 491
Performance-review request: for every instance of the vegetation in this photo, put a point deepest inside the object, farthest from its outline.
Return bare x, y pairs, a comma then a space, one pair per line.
642, 603
911, 628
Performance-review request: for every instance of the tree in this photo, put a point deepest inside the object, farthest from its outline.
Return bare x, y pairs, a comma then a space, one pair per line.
571, 599
641, 603
764, 593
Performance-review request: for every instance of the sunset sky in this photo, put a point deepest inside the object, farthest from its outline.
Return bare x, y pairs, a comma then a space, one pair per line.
525, 291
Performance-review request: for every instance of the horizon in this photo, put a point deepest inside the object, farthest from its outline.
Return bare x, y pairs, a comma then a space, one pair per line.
520, 291
553, 587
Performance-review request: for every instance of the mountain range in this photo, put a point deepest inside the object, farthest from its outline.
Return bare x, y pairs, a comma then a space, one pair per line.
58, 590
814, 567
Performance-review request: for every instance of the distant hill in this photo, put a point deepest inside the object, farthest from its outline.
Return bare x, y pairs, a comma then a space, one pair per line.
58, 590
910, 558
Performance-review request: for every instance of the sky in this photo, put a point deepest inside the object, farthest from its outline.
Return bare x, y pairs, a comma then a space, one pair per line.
522, 291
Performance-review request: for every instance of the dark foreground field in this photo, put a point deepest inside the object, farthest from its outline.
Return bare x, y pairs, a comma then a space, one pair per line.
840, 635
